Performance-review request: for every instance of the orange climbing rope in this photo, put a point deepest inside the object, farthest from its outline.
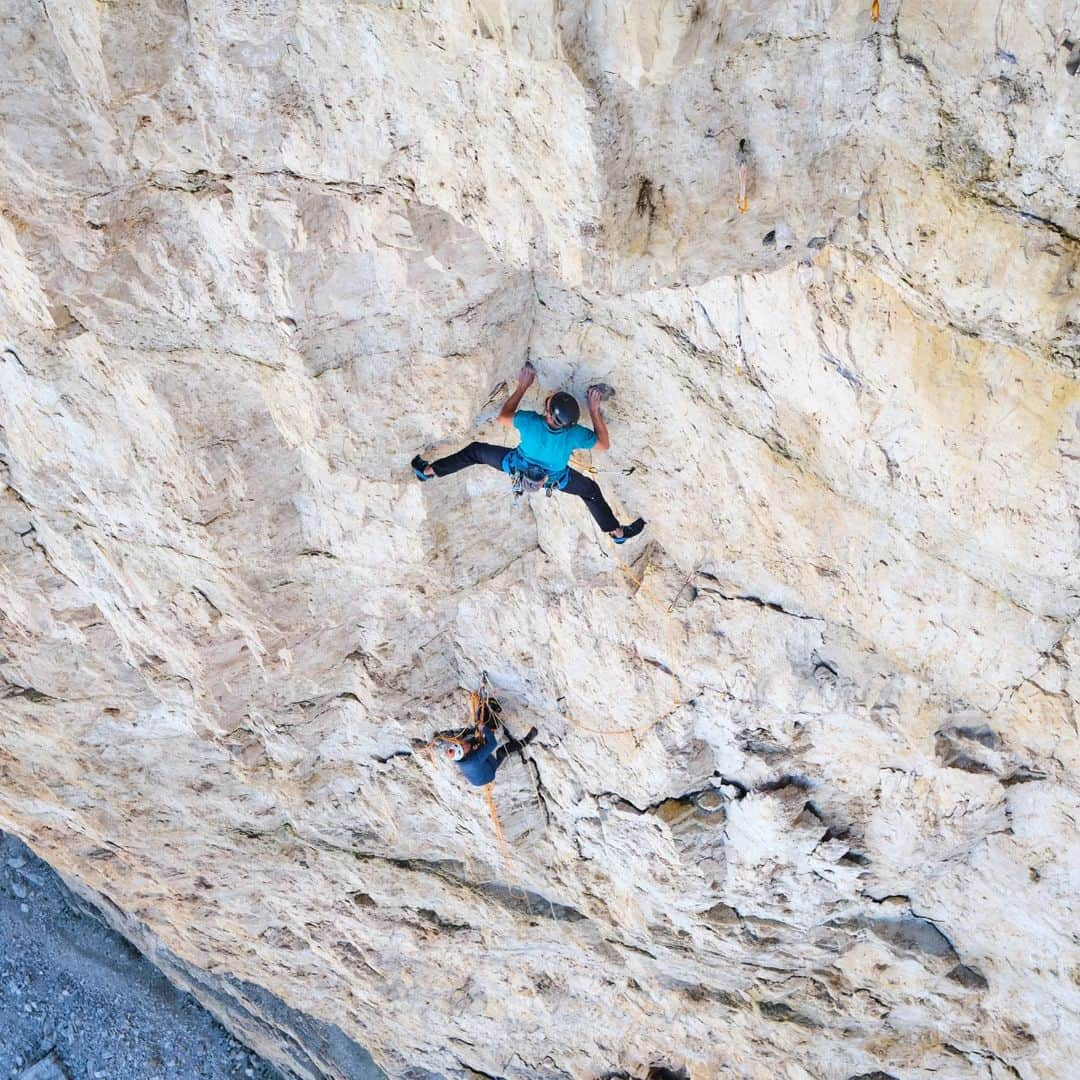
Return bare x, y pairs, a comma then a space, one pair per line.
504, 847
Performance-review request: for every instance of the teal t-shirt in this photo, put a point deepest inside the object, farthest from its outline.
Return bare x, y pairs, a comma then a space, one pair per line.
550, 449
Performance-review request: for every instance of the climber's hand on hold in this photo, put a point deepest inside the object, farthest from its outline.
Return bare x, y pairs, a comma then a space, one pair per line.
526, 377
593, 399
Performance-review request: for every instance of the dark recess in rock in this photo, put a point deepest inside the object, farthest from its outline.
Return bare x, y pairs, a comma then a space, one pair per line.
785, 1014
531, 903
656, 1072
722, 915
700, 992
788, 780
1072, 62
914, 933
854, 858
314, 1039
1023, 775
759, 743
969, 977
982, 734
741, 790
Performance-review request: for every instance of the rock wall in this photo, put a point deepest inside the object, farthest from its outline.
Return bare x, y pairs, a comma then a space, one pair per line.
804, 799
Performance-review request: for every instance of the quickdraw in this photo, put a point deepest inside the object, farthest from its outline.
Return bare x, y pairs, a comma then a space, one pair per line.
483, 710
743, 157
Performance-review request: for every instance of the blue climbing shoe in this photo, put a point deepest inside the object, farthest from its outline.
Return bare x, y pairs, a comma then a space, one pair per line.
418, 466
630, 531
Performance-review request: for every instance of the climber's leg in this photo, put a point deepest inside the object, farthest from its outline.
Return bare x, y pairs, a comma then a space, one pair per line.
476, 453
589, 490
520, 744
510, 746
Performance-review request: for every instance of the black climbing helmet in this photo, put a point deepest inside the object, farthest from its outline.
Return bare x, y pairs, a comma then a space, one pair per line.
564, 409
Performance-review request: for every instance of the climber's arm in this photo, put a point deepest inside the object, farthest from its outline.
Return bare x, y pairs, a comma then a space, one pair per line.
488, 748
598, 423
526, 378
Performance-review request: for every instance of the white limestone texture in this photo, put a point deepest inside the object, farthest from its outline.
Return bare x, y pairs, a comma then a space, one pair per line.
804, 800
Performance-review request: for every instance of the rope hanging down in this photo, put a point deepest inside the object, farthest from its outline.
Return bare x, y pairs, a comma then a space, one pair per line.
516, 890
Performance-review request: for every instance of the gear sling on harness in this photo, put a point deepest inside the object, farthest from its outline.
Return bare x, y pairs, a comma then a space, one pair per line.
526, 476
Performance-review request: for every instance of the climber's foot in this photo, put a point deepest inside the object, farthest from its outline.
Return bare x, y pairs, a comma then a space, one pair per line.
627, 532
421, 468
520, 744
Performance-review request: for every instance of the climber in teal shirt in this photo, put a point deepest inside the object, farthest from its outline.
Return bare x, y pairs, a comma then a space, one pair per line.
543, 455
551, 448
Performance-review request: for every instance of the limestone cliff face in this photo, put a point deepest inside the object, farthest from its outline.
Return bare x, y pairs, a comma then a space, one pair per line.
804, 800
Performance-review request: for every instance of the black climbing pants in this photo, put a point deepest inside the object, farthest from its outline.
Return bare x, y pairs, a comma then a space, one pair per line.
479, 453
476, 453
509, 747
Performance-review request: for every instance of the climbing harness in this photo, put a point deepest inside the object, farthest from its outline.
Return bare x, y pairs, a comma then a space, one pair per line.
523, 482
526, 476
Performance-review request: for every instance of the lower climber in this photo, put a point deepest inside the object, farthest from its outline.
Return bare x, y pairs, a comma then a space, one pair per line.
542, 457
478, 760
476, 750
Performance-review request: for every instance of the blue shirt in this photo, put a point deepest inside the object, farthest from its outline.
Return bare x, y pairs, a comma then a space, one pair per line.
477, 765
550, 449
